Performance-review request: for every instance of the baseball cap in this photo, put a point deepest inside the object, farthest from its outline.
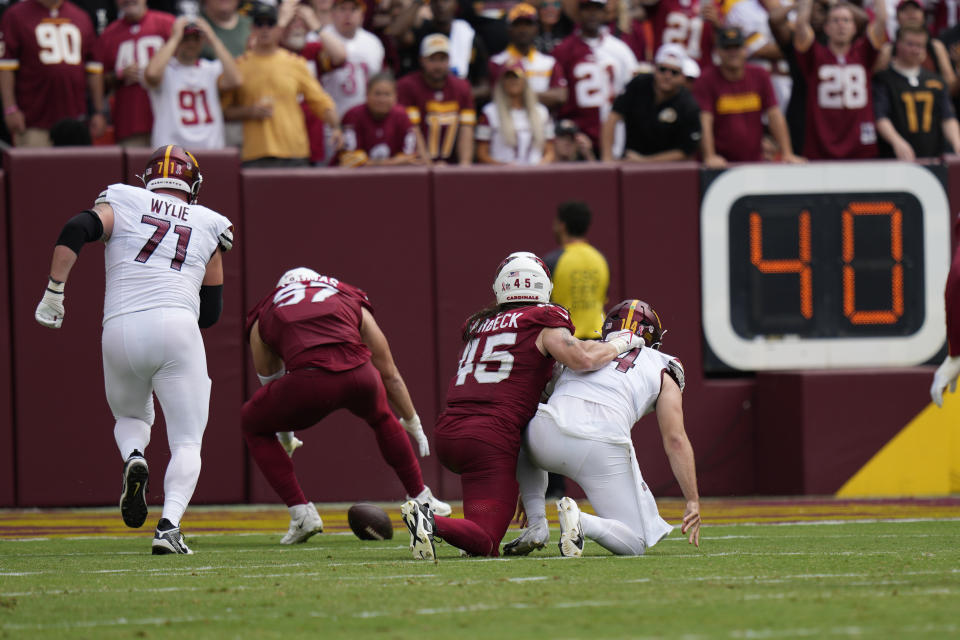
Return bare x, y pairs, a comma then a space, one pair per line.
904, 3
691, 69
191, 29
730, 37
434, 43
673, 54
264, 14
522, 11
567, 128
515, 67
600, 2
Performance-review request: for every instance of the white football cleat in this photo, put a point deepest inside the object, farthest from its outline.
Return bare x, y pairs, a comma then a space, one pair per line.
438, 507
289, 441
533, 537
419, 520
305, 522
571, 533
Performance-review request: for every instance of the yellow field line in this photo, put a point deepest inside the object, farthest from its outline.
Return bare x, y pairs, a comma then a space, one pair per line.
58, 523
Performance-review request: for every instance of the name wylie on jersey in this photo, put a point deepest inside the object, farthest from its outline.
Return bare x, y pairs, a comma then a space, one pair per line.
176, 210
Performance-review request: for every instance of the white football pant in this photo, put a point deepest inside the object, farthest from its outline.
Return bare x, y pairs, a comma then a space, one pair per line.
159, 351
627, 520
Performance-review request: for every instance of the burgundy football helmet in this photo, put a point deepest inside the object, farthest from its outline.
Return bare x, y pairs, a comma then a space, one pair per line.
173, 167
636, 316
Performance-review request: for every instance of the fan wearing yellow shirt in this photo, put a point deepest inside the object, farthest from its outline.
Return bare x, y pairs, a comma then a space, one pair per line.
274, 131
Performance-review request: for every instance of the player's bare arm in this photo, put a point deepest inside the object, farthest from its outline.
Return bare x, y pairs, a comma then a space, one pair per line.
397, 393
87, 226
382, 359
583, 355
680, 453
265, 360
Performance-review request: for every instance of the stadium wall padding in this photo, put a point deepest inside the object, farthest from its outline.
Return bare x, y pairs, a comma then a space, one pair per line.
7, 440
65, 449
423, 242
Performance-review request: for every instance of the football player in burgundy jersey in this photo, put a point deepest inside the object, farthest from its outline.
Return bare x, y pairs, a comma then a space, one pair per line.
839, 114
379, 132
311, 333
440, 103
508, 356
46, 59
125, 49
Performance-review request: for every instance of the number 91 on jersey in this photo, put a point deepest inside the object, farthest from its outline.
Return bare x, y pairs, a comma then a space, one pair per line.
821, 266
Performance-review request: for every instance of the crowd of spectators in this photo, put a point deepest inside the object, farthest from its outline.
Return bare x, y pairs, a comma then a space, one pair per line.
362, 82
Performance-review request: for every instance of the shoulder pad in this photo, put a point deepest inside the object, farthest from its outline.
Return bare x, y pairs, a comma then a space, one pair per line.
675, 369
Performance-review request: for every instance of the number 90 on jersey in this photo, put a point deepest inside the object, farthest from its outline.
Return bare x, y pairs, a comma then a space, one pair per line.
829, 265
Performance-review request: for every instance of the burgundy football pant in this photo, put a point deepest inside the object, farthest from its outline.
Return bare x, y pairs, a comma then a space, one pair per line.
302, 398
488, 476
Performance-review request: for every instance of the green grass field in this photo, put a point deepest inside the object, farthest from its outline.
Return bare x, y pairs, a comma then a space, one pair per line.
851, 579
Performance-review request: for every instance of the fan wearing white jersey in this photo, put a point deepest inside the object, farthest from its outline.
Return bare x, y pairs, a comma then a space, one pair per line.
583, 433
185, 88
164, 282
347, 85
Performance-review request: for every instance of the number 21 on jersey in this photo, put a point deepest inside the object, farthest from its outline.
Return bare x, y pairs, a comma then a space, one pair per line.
491, 353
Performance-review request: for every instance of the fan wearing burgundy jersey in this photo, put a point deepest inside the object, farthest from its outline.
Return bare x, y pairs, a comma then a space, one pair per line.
46, 70
689, 23
440, 103
597, 67
839, 114
379, 132
317, 348
125, 49
508, 356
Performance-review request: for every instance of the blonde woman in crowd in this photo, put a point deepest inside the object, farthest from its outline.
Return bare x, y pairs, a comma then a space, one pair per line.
514, 128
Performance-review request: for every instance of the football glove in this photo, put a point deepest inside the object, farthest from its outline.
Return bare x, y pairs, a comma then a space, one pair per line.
50, 312
945, 375
625, 340
289, 441
415, 429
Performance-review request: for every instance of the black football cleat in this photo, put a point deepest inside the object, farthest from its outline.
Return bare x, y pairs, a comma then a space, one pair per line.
168, 539
133, 493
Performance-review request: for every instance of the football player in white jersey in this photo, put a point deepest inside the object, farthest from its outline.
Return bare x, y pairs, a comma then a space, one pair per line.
583, 432
185, 88
164, 282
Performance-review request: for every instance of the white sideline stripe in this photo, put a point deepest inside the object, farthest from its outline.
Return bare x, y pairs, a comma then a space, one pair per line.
704, 528
71, 592
760, 634
527, 579
473, 608
936, 591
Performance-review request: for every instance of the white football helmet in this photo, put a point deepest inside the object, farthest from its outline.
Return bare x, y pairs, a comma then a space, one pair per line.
297, 275
522, 277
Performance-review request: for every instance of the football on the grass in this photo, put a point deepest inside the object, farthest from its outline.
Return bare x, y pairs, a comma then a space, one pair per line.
370, 522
